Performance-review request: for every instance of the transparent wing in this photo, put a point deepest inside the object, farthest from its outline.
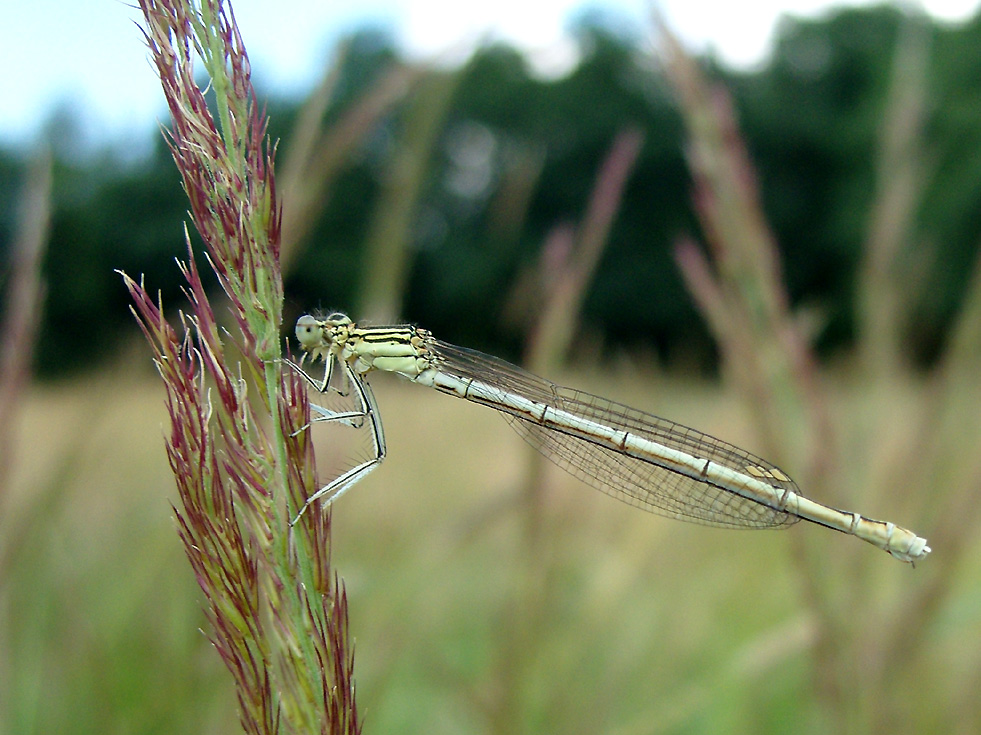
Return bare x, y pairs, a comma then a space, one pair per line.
643, 484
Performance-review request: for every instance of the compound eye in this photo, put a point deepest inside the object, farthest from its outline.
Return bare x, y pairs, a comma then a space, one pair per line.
309, 332
338, 319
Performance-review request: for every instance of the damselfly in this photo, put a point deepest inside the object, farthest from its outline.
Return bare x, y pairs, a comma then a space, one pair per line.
634, 456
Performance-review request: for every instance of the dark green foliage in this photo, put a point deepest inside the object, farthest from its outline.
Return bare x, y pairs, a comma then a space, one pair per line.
812, 121
128, 221
811, 118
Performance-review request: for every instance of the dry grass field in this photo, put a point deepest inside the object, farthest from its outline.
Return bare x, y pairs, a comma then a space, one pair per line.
473, 610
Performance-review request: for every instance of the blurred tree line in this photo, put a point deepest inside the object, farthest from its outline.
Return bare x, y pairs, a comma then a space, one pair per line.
515, 157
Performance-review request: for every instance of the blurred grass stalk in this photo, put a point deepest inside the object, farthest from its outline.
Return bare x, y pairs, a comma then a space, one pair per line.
316, 155
569, 260
570, 257
238, 449
25, 291
866, 655
387, 245
885, 278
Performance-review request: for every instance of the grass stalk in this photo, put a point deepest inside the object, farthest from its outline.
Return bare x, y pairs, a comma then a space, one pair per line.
870, 623
315, 154
25, 291
883, 279
570, 258
389, 239
238, 446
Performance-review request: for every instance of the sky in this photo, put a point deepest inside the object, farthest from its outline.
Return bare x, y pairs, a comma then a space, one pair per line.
87, 56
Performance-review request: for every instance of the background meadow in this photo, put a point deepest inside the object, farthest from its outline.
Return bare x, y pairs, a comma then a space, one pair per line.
785, 259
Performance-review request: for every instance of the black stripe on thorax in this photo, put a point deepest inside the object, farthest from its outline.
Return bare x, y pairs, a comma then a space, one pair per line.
389, 335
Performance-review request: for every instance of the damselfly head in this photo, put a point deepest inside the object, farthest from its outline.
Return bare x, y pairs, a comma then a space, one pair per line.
323, 337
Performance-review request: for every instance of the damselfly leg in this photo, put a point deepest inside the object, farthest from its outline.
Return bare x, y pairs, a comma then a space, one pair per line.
364, 413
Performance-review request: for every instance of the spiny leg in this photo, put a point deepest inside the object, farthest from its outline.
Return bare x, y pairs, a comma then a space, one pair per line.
350, 418
368, 411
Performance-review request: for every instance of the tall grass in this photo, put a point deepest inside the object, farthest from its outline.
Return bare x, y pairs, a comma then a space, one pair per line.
24, 296
239, 442
388, 245
316, 153
921, 467
570, 257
